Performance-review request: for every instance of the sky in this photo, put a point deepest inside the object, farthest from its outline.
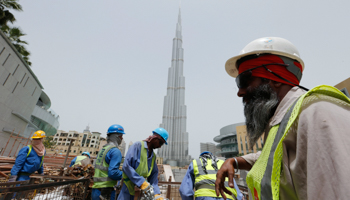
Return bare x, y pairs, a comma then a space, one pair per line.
106, 62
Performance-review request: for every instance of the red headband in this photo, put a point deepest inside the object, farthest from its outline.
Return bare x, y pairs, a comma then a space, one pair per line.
263, 73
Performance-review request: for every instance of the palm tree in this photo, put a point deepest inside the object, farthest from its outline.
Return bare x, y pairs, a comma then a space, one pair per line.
5, 14
14, 35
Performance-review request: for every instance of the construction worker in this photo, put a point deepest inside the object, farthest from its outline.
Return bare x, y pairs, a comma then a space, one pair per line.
108, 160
82, 160
29, 159
305, 153
201, 176
140, 167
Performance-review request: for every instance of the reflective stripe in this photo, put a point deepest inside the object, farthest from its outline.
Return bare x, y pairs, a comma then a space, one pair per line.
102, 179
208, 182
205, 182
201, 171
101, 168
266, 191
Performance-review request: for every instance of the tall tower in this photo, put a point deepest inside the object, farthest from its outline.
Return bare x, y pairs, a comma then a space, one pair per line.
174, 110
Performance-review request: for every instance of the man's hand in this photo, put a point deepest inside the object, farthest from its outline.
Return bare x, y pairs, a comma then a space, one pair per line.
144, 185
12, 178
226, 170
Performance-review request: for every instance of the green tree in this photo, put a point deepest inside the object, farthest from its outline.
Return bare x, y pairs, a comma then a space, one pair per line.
5, 15
14, 34
49, 143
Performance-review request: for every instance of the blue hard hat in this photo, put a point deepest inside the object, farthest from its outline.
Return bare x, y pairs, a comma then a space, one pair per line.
115, 128
163, 133
205, 152
86, 153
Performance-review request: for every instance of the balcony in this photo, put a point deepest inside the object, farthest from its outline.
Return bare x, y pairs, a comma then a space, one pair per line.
45, 120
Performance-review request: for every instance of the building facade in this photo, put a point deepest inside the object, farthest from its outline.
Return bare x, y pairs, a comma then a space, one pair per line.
344, 86
85, 141
174, 110
211, 147
24, 106
233, 141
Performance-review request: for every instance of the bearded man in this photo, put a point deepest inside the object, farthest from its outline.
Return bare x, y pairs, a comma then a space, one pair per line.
306, 132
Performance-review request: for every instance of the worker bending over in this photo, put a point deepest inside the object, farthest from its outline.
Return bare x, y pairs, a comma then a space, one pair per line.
82, 160
107, 164
201, 176
29, 159
140, 167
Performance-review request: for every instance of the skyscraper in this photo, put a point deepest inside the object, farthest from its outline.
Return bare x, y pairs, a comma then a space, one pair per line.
174, 110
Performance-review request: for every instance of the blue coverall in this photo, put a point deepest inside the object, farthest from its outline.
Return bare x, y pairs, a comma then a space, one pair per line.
131, 162
186, 188
113, 158
73, 162
24, 164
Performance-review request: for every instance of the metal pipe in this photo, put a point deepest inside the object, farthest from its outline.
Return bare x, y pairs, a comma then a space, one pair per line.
14, 143
2, 153
70, 145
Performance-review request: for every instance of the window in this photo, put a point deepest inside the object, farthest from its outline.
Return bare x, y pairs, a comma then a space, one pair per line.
74, 151
80, 151
65, 150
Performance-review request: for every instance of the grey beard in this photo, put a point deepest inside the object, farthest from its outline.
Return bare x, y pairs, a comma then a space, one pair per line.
262, 104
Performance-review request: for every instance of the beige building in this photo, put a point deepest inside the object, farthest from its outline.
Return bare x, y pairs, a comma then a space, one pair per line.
86, 141
344, 86
233, 141
243, 141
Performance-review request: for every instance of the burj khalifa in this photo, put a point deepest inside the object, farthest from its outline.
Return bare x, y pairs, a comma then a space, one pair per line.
174, 110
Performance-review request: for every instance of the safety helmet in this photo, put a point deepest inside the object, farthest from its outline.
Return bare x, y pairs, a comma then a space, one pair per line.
269, 45
205, 152
86, 153
38, 134
163, 133
115, 128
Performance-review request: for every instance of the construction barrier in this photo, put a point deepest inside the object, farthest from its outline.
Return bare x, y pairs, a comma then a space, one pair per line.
53, 188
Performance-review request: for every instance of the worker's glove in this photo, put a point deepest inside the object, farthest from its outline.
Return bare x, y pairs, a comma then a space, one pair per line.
147, 192
12, 178
158, 197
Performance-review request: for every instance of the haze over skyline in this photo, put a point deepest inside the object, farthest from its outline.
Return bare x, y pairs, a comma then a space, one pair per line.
107, 63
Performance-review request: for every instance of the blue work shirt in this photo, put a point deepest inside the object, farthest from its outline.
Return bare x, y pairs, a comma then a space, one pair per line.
73, 162
114, 158
187, 185
28, 164
131, 162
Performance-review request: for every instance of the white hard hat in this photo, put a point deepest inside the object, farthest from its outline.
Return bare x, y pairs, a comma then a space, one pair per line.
272, 45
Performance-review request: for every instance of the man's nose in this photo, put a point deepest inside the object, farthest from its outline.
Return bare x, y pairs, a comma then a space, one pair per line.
241, 92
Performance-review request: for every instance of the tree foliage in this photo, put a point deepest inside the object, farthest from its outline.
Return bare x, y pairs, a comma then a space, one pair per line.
49, 143
13, 33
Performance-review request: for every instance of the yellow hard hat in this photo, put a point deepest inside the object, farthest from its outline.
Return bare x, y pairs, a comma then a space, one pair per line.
38, 134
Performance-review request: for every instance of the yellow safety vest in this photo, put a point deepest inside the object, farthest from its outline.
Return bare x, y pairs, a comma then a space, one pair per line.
264, 178
205, 181
101, 178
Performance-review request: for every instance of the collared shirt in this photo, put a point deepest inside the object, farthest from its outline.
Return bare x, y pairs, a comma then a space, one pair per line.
315, 151
187, 184
131, 162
